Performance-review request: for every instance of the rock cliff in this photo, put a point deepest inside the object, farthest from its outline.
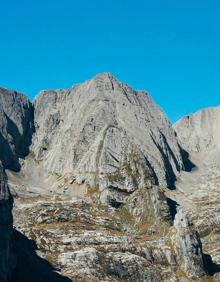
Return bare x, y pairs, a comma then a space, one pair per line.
16, 120
112, 137
16, 127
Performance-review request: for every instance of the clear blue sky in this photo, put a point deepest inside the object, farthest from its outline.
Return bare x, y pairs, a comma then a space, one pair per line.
170, 48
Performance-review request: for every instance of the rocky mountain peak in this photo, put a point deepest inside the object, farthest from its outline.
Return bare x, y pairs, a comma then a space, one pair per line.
105, 76
102, 122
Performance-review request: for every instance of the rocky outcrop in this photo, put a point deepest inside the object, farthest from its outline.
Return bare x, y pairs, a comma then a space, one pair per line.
16, 127
188, 246
86, 241
6, 226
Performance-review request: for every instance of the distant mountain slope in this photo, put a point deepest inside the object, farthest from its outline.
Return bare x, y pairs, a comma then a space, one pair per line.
200, 132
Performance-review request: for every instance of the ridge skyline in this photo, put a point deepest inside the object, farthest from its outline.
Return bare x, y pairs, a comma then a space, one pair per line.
106, 73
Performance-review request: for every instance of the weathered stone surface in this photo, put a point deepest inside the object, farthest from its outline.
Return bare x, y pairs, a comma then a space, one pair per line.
108, 131
86, 242
16, 127
200, 132
188, 246
16, 120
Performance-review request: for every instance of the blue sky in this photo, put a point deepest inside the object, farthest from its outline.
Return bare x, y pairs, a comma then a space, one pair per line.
170, 48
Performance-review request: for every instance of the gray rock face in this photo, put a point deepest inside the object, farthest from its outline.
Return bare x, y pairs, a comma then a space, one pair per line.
6, 225
188, 246
200, 132
16, 127
105, 134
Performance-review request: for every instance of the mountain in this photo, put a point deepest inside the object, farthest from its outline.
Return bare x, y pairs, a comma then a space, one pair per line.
104, 126
94, 172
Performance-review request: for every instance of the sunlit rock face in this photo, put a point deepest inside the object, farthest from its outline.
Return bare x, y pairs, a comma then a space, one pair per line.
111, 135
200, 132
188, 246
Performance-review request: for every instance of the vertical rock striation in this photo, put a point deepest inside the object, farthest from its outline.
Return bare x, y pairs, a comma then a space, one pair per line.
16, 127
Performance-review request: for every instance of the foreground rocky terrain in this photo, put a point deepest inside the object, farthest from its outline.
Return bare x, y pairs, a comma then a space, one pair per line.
104, 189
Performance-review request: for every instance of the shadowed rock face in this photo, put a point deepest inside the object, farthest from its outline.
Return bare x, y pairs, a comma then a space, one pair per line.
115, 146
6, 225
16, 127
30, 267
16, 252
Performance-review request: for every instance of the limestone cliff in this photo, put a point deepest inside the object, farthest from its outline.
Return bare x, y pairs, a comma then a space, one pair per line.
107, 135
200, 132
